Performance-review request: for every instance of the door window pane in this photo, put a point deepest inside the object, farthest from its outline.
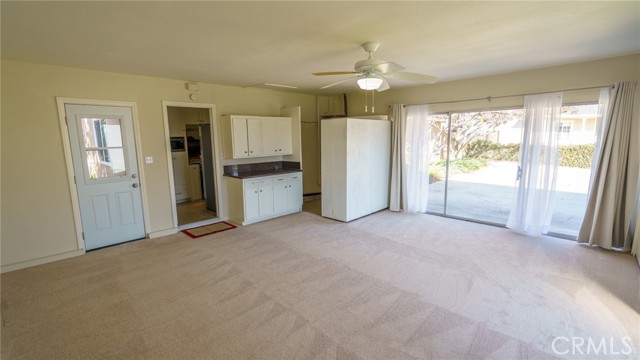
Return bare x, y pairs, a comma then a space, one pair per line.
100, 169
103, 147
101, 132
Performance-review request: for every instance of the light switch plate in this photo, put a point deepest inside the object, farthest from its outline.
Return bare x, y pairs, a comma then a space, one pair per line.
148, 159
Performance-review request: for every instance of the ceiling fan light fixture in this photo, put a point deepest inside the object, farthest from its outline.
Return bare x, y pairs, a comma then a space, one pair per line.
369, 83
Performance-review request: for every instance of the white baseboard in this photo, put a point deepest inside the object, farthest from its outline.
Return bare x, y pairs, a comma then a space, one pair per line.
157, 234
40, 261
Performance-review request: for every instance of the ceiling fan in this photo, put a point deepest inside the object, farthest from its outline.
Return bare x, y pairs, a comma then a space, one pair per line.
372, 73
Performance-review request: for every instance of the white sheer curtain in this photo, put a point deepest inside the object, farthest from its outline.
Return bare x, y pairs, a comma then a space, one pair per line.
533, 205
607, 220
417, 155
410, 158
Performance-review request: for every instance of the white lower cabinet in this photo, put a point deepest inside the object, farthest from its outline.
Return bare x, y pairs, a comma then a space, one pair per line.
287, 193
257, 199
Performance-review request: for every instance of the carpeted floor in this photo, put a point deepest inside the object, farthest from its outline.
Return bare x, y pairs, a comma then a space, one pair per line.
387, 286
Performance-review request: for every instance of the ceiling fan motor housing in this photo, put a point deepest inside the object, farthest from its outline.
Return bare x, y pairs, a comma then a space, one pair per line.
368, 65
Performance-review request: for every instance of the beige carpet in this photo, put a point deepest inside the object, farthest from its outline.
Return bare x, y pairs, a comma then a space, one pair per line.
388, 286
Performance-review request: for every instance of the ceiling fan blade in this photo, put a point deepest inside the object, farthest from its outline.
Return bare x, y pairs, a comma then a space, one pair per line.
415, 77
384, 86
334, 73
338, 82
388, 67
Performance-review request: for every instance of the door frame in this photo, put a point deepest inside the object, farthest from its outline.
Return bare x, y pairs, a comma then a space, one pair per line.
216, 147
66, 144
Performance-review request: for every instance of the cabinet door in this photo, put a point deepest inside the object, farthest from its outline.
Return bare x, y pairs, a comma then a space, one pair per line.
266, 200
295, 194
284, 136
280, 196
270, 137
251, 203
254, 136
239, 137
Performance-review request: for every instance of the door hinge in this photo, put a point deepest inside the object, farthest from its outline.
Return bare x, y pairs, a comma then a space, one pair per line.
83, 235
65, 120
74, 180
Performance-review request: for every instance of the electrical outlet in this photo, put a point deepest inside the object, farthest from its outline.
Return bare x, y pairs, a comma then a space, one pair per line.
148, 159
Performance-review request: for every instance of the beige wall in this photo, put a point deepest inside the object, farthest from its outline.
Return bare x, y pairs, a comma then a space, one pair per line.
37, 218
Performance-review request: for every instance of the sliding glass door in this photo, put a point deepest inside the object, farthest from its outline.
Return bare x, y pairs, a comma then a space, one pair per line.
474, 165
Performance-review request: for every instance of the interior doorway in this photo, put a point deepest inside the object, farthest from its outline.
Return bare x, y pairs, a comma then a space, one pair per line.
192, 145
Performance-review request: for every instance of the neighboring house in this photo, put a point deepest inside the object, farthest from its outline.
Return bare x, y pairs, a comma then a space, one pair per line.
577, 127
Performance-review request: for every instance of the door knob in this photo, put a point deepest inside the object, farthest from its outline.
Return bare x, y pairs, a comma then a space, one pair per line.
135, 185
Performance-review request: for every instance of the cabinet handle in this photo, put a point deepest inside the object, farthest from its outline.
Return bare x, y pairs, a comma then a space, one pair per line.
255, 192
245, 151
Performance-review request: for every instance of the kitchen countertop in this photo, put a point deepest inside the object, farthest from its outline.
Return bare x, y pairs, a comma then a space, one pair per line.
258, 173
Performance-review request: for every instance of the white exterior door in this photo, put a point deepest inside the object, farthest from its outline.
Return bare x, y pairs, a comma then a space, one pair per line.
106, 173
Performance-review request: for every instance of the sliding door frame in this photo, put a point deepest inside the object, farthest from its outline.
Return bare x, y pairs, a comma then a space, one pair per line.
446, 184
446, 178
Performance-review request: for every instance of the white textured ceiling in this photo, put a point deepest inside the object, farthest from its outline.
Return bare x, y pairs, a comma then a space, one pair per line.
248, 43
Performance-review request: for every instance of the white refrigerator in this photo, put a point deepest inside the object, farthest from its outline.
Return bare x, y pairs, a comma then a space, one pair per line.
355, 167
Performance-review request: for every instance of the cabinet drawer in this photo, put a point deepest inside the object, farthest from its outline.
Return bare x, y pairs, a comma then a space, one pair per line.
258, 182
287, 177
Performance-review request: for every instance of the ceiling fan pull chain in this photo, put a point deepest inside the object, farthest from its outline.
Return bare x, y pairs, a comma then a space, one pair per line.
366, 101
373, 101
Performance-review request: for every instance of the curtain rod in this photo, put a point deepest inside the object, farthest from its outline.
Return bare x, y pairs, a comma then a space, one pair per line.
489, 98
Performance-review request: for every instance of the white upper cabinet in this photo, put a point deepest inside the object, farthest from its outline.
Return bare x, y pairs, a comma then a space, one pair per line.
238, 135
256, 136
276, 136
